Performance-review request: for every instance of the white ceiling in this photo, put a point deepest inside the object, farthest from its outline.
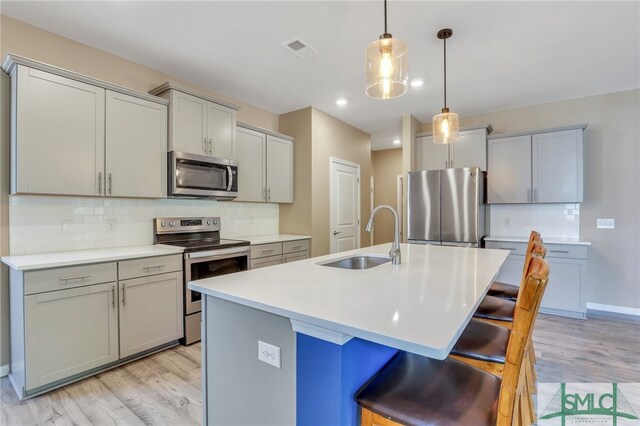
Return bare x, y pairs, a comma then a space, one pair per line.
502, 54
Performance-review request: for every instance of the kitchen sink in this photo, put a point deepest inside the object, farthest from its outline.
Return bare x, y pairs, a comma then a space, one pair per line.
358, 262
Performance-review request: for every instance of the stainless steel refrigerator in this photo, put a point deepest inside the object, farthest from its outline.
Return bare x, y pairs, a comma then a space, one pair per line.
447, 207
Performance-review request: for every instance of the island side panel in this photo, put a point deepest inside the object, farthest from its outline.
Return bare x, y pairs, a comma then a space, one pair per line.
240, 389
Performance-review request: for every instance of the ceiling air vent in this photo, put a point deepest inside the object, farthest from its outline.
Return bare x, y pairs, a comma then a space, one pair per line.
299, 48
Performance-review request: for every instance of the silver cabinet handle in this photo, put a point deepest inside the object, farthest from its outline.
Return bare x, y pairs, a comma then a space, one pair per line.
210, 146
79, 277
113, 296
268, 194
337, 232
509, 248
204, 145
296, 247
150, 268
558, 251
123, 300
264, 194
109, 179
266, 251
99, 183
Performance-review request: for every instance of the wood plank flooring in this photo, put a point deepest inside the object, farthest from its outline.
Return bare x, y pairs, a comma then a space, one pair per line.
164, 389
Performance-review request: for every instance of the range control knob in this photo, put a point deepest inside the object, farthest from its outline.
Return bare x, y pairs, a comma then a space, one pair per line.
163, 224
172, 223
208, 222
215, 222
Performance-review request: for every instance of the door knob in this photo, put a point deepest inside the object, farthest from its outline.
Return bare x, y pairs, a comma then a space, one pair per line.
336, 233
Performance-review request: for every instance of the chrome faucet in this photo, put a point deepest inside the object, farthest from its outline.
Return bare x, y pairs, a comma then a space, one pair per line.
394, 253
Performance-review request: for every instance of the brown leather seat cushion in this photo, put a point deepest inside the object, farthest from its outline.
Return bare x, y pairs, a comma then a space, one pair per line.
503, 290
496, 308
415, 390
483, 341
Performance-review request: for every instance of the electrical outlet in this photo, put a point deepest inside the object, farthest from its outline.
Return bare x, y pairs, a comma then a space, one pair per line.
269, 354
111, 226
605, 223
507, 221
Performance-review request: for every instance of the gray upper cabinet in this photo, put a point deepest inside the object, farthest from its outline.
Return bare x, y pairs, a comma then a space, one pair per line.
74, 135
198, 123
468, 151
265, 165
540, 167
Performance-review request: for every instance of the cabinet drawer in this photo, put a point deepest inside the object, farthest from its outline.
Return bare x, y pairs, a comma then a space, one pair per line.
266, 261
566, 250
293, 246
516, 248
292, 257
69, 277
264, 250
149, 266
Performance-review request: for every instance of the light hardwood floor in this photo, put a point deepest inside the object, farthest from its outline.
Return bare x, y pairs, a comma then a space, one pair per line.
164, 389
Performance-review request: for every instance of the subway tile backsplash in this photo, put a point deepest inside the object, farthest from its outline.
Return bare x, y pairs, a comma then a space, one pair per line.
551, 220
40, 224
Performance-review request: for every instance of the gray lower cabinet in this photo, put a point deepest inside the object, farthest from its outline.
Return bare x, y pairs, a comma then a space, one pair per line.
270, 254
566, 292
70, 322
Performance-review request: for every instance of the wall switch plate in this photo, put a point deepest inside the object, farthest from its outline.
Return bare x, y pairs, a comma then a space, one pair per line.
111, 226
605, 223
269, 354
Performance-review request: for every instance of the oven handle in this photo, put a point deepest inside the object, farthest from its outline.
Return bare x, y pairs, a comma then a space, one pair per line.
218, 254
230, 185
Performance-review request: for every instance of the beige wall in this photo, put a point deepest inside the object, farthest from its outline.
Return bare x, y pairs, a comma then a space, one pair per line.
386, 165
295, 218
34, 43
320, 137
611, 183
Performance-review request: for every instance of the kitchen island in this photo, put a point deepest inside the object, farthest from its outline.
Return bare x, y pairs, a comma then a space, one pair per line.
332, 329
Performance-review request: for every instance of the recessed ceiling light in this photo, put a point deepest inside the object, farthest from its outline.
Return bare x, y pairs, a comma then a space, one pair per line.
417, 82
397, 141
341, 101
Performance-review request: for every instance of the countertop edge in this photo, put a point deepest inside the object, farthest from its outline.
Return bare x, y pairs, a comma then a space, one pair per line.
545, 240
270, 239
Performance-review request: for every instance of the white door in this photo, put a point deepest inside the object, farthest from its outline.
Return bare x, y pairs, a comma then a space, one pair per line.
250, 153
221, 129
136, 147
189, 124
60, 135
557, 167
344, 205
431, 156
150, 312
509, 177
279, 170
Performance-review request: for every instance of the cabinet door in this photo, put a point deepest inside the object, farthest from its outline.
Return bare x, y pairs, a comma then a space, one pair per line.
565, 287
509, 176
557, 167
69, 332
431, 156
221, 131
150, 312
293, 257
136, 147
266, 261
188, 124
250, 153
279, 170
511, 271
58, 146
470, 150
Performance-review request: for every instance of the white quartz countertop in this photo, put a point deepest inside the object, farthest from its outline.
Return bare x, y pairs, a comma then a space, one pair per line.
54, 260
420, 306
275, 238
546, 240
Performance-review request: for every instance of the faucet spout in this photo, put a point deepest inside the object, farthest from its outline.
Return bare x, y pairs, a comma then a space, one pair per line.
394, 253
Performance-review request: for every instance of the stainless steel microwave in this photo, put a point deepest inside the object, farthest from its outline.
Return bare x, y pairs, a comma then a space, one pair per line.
199, 176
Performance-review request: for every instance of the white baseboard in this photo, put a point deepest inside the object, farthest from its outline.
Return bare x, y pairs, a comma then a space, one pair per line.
614, 308
4, 370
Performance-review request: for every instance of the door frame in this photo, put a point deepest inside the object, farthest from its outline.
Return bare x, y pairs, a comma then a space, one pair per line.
356, 166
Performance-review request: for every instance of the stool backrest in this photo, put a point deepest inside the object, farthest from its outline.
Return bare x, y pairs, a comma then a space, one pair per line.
526, 310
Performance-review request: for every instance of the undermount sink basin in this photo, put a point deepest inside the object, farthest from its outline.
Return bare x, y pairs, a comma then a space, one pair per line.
358, 262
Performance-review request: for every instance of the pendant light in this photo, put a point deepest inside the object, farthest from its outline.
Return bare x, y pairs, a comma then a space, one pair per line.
446, 127
386, 65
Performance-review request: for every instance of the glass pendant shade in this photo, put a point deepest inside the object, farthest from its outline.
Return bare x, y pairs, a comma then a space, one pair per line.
446, 127
386, 68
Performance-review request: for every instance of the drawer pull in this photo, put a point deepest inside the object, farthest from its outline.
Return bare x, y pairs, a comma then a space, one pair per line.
79, 277
151, 268
558, 251
296, 247
509, 248
266, 251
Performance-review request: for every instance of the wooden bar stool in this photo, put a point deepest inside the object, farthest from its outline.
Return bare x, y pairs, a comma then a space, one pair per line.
415, 390
510, 291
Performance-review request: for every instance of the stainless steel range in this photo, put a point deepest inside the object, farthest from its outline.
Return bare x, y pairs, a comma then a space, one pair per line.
205, 255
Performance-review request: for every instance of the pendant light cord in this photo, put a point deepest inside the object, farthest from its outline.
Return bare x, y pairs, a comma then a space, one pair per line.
385, 16
445, 72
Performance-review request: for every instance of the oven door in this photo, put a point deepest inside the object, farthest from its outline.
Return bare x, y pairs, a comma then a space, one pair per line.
214, 263
199, 176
